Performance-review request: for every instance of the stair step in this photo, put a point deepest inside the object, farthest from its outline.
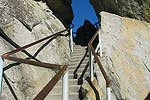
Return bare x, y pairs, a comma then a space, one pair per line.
80, 70
77, 58
80, 50
72, 96
77, 63
78, 54
71, 82
80, 47
72, 76
74, 67
72, 89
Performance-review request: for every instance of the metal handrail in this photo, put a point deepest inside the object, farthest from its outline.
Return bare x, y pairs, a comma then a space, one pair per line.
108, 82
44, 92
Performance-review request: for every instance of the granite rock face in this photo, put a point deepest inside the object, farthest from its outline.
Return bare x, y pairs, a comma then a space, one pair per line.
62, 8
26, 21
138, 9
126, 57
91, 90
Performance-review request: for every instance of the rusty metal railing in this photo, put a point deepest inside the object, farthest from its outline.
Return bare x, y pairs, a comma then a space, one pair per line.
92, 51
63, 68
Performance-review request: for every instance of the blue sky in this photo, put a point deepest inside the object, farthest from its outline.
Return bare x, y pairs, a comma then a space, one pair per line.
82, 10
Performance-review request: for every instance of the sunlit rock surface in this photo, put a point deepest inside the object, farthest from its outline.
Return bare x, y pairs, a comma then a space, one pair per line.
138, 9
126, 57
91, 90
26, 21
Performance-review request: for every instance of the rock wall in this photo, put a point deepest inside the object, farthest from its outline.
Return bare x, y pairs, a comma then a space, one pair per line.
138, 9
26, 21
62, 8
126, 57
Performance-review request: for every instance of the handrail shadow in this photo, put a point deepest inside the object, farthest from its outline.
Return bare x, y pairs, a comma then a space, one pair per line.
45, 44
78, 66
5, 37
10, 87
80, 80
37, 52
44, 92
93, 87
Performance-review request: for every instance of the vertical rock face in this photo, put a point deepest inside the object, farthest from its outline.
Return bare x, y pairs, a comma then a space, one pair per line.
62, 8
126, 56
26, 21
139, 9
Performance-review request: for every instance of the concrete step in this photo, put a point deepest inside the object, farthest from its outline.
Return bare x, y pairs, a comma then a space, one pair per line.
86, 59
78, 58
79, 49
80, 70
75, 47
71, 82
72, 96
77, 63
74, 67
72, 89
72, 76
78, 53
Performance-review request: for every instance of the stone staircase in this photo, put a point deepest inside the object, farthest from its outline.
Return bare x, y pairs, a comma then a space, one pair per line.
78, 69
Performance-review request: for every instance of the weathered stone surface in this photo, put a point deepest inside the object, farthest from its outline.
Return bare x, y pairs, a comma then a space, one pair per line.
139, 9
126, 56
62, 8
26, 21
91, 90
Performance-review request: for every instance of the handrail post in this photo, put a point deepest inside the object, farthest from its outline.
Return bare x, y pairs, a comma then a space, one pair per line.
100, 43
65, 86
108, 93
91, 64
71, 40
1, 74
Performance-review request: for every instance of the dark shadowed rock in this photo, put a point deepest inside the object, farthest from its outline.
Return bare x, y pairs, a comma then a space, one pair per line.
62, 8
138, 9
85, 33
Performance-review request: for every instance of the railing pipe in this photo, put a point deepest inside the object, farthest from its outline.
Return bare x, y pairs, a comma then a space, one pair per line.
91, 64
45, 91
71, 40
65, 86
1, 74
100, 43
108, 93
36, 42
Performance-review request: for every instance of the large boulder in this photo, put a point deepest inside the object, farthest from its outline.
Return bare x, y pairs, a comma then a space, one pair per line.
63, 9
126, 57
85, 33
138, 9
26, 21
